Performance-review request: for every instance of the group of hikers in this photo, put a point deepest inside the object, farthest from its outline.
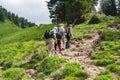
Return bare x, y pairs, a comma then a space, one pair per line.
58, 38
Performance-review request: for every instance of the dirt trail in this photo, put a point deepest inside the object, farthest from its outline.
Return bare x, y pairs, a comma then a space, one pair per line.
80, 53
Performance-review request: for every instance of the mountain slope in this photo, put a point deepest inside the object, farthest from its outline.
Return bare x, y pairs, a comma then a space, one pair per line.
10, 33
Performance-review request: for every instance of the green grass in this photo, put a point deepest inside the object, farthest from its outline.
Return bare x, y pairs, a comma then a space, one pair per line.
16, 44
102, 55
8, 29
110, 45
106, 75
114, 68
74, 70
71, 78
103, 58
109, 35
50, 64
12, 55
82, 30
13, 74
10, 33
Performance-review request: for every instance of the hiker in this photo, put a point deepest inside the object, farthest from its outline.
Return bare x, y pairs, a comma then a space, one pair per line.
50, 36
58, 43
62, 31
68, 35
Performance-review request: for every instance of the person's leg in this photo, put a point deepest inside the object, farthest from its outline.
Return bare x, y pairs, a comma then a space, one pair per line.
68, 43
59, 44
49, 46
52, 46
63, 42
55, 46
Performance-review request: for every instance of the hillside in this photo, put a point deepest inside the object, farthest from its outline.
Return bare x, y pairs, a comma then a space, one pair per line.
94, 53
10, 33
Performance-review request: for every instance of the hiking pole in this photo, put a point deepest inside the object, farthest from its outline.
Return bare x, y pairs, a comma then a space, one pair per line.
74, 21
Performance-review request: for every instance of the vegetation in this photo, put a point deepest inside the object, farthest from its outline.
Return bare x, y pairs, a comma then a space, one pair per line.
13, 55
50, 64
109, 7
62, 9
105, 75
114, 68
19, 21
110, 35
94, 20
10, 33
86, 30
74, 70
21, 50
70, 78
110, 45
13, 74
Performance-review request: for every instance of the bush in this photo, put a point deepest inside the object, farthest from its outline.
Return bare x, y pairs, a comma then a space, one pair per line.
94, 20
75, 70
103, 62
13, 74
114, 68
106, 75
103, 55
110, 35
50, 64
110, 45
103, 58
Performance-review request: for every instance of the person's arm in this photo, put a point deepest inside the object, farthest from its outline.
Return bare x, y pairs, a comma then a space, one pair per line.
54, 37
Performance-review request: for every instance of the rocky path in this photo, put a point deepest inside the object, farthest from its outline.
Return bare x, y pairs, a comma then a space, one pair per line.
80, 53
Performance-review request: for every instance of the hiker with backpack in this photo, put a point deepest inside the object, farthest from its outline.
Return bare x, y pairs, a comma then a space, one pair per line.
61, 31
50, 36
68, 35
58, 43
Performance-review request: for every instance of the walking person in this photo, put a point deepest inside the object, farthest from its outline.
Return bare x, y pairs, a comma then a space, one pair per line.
62, 31
50, 36
59, 40
68, 35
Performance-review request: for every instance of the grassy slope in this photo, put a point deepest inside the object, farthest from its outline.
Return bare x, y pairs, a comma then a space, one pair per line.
16, 52
82, 30
10, 33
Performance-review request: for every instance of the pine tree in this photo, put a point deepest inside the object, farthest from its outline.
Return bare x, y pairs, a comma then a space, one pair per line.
109, 7
2, 15
69, 10
9, 16
16, 20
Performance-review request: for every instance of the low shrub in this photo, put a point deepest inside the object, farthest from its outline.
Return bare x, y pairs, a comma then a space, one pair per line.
50, 64
13, 74
114, 68
103, 62
105, 75
94, 20
110, 45
109, 35
12, 55
102, 54
75, 70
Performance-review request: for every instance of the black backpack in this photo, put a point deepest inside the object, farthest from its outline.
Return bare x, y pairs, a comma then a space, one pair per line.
68, 34
47, 34
59, 35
